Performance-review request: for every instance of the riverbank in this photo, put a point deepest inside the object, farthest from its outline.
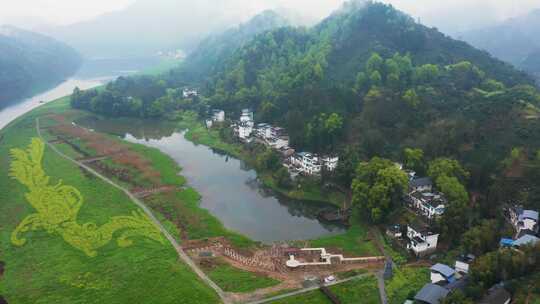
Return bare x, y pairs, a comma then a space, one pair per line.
309, 190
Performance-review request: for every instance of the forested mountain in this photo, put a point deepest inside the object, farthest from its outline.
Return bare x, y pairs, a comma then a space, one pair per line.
217, 48
516, 40
368, 78
30, 61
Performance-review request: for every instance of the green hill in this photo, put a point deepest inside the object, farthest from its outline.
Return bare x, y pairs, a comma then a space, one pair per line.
30, 62
367, 77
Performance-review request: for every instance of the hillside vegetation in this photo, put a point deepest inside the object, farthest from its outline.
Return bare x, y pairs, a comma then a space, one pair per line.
368, 78
30, 62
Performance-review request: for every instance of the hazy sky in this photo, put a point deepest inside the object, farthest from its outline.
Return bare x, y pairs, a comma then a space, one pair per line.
451, 15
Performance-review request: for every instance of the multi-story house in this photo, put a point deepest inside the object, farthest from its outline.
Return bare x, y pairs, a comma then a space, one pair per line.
421, 240
428, 204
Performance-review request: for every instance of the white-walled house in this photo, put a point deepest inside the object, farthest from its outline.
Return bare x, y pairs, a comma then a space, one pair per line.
428, 204
245, 129
307, 163
312, 164
463, 263
218, 115
524, 219
246, 116
442, 273
421, 240
188, 93
330, 162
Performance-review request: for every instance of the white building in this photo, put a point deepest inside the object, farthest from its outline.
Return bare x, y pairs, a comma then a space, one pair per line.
524, 220
246, 116
188, 93
218, 115
428, 204
330, 162
442, 273
307, 163
245, 129
463, 263
421, 241
312, 164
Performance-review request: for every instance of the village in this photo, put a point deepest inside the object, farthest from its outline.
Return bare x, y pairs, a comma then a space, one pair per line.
276, 138
417, 237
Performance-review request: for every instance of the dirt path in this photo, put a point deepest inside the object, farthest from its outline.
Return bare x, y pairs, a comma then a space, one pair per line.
181, 254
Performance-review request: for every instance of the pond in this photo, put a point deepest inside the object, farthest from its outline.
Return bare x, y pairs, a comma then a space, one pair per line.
230, 189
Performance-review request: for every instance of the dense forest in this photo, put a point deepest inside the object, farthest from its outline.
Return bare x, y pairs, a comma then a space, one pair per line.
30, 62
376, 87
368, 76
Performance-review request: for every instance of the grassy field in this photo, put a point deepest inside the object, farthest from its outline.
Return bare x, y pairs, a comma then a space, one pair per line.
362, 290
405, 283
355, 241
48, 270
236, 280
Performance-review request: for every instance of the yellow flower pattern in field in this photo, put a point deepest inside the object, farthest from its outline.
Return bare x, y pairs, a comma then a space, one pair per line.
57, 207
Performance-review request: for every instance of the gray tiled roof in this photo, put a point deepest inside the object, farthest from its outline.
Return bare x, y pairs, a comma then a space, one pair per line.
445, 270
431, 294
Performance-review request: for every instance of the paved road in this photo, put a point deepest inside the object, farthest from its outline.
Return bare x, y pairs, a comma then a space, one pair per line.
302, 291
375, 232
181, 253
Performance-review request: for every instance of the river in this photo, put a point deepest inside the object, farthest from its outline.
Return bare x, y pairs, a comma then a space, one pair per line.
10, 113
229, 188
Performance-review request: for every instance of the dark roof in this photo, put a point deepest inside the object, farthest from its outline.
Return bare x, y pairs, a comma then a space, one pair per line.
496, 295
443, 269
524, 232
458, 284
420, 182
431, 294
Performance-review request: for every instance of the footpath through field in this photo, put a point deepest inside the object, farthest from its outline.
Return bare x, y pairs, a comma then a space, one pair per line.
181, 253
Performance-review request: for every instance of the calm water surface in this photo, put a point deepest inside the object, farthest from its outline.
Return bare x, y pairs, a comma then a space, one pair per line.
11, 112
230, 189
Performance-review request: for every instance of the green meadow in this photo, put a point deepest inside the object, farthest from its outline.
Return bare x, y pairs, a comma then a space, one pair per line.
46, 269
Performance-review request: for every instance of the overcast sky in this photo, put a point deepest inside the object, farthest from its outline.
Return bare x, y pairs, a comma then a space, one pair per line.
454, 15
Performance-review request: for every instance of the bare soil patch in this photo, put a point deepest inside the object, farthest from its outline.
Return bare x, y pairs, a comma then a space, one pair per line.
103, 146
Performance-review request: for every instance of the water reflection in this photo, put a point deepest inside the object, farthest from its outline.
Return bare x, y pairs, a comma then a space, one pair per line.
229, 187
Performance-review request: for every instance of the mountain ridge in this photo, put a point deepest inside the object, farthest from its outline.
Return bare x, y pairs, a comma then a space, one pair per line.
31, 61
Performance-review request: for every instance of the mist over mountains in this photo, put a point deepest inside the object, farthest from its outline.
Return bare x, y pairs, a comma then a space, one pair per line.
516, 40
30, 62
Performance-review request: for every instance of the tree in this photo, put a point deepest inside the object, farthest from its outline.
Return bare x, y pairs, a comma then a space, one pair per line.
482, 238
426, 74
414, 159
374, 64
378, 186
452, 189
411, 98
447, 167
283, 178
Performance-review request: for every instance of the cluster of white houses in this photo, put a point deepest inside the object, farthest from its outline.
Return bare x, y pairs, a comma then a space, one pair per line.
426, 203
525, 223
302, 163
